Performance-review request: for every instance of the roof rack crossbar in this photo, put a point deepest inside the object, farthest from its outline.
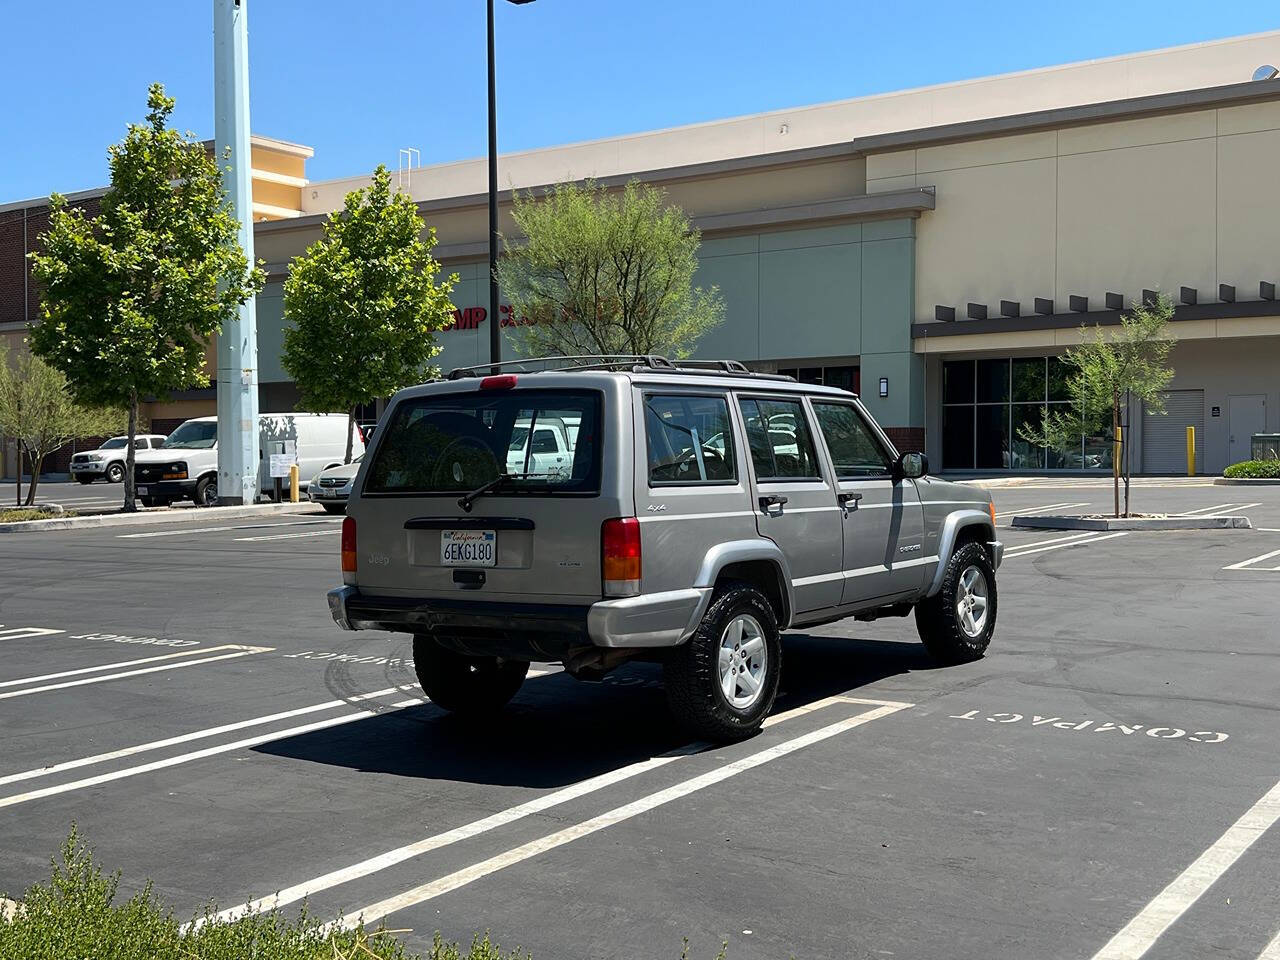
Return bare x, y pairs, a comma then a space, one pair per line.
637, 363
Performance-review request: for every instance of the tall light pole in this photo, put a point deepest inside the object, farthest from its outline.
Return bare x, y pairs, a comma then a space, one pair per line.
238, 341
495, 333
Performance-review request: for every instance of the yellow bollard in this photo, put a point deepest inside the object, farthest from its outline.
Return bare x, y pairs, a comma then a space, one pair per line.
1191, 451
293, 483
1116, 455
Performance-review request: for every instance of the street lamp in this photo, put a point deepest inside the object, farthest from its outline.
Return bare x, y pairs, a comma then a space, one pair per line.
495, 334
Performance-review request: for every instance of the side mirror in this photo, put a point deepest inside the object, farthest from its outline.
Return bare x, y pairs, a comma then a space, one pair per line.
910, 466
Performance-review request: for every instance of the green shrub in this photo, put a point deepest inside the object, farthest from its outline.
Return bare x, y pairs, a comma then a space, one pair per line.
17, 514
1254, 470
75, 915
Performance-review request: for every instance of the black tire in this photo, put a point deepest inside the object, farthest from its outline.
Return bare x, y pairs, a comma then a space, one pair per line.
86, 479
462, 684
206, 494
334, 507
938, 619
692, 671
115, 473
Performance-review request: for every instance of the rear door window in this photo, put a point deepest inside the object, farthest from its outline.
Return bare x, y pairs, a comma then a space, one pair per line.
689, 440
778, 435
456, 442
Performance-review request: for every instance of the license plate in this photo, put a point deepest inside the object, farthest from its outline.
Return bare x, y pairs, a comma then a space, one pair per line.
142, 491
469, 548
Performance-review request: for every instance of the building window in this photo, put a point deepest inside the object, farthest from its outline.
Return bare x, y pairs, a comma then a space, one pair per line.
845, 377
985, 403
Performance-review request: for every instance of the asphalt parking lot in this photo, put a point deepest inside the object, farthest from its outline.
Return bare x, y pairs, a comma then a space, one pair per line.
1102, 785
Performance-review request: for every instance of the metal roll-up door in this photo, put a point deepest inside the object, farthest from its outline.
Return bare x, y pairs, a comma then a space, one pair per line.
1164, 437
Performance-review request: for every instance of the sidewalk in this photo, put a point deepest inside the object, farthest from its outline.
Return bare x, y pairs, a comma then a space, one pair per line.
159, 516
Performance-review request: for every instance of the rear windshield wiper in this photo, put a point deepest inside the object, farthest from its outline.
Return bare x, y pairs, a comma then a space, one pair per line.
467, 500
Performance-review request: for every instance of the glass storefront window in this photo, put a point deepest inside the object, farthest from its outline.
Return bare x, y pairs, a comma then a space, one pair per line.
957, 438
993, 381
1028, 380
957, 381
986, 403
844, 377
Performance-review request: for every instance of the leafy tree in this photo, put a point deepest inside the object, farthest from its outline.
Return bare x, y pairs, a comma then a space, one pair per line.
364, 304
1111, 368
606, 273
39, 411
131, 297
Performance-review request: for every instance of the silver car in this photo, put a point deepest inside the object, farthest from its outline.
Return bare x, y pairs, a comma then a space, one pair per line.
699, 511
332, 485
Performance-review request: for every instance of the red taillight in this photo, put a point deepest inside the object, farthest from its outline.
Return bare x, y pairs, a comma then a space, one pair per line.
502, 382
348, 545
620, 553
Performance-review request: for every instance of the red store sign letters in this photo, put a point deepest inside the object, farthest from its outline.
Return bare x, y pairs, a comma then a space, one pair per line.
471, 318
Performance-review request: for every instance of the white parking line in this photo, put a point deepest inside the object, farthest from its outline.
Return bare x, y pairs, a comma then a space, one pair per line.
1206, 511
460, 878
238, 650
26, 633
1272, 950
1140, 933
106, 666
289, 536
1012, 555
188, 737
1045, 509
591, 785
1248, 564
1085, 534
242, 526
213, 751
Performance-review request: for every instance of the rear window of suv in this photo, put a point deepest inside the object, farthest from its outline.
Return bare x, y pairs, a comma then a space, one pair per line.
456, 442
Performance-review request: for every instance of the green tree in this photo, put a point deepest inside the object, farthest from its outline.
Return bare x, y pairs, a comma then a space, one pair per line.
364, 305
1111, 368
606, 273
130, 298
38, 410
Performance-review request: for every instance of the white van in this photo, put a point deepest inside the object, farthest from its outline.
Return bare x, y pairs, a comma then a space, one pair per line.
186, 467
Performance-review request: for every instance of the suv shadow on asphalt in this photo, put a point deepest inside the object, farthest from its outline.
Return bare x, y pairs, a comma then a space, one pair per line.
559, 730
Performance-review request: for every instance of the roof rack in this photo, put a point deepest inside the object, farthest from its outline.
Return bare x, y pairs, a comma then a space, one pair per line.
625, 361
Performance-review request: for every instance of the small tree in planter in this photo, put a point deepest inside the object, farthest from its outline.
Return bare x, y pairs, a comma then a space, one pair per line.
1110, 369
39, 411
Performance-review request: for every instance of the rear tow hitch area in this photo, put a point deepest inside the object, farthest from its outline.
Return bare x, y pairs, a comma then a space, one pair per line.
592, 664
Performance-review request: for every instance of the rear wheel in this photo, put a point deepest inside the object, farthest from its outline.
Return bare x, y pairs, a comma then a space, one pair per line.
462, 684
722, 682
957, 622
115, 473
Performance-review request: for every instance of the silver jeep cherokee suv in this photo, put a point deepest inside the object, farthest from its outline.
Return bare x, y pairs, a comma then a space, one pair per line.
686, 514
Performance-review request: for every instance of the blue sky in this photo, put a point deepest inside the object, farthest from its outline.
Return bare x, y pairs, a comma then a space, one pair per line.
359, 80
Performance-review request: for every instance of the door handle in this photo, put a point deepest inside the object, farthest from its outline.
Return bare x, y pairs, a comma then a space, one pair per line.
845, 499
772, 500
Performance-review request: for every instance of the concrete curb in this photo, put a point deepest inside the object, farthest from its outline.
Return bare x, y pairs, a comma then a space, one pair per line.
1133, 523
1247, 481
146, 518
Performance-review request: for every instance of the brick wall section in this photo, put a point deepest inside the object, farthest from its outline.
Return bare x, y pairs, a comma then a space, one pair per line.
907, 439
19, 232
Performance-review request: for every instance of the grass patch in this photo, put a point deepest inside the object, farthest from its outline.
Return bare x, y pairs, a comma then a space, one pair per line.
19, 514
77, 915
1254, 470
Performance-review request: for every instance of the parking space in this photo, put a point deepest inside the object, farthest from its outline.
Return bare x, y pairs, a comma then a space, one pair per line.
1102, 784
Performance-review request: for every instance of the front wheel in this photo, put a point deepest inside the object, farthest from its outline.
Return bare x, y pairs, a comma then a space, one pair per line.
115, 473
207, 492
957, 622
462, 684
721, 683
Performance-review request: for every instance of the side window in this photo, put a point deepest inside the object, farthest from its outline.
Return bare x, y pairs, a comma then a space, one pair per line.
139, 444
781, 445
689, 440
544, 441
855, 450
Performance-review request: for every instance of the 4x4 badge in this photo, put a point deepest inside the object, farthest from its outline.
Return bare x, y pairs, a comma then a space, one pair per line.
656, 507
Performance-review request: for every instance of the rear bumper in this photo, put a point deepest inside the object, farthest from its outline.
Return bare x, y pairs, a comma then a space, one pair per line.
544, 630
